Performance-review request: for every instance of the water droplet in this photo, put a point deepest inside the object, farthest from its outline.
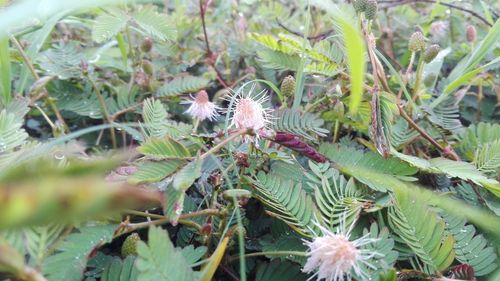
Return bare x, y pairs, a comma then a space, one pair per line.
58, 155
3, 147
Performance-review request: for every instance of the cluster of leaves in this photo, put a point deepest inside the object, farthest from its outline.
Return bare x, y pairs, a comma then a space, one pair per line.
409, 145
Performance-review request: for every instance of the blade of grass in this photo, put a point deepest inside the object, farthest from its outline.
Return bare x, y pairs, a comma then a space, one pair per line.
355, 48
5, 73
299, 87
462, 72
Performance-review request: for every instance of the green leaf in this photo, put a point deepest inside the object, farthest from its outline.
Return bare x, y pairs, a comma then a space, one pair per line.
156, 121
287, 201
155, 24
62, 61
12, 134
279, 271
369, 168
181, 85
422, 230
39, 238
459, 169
118, 270
163, 148
336, 198
487, 158
149, 172
384, 245
355, 50
108, 25
299, 123
159, 260
471, 249
187, 175
70, 260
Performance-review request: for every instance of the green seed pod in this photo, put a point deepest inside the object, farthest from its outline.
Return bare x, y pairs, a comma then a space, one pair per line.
147, 45
129, 246
371, 9
416, 42
148, 67
288, 86
431, 52
359, 5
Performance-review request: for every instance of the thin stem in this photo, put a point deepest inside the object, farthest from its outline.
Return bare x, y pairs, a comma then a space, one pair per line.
202, 13
271, 253
104, 110
404, 2
35, 75
223, 143
447, 151
418, 78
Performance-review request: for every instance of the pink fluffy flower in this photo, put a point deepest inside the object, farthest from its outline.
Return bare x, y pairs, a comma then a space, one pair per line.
201, 108
248, 111
333, 256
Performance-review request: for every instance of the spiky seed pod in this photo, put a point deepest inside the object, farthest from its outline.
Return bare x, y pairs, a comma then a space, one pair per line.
431, 52
371, 9
147, 66
471, 33
296, 144
129, 246
359, 5
288, 86
147, 45
416, 42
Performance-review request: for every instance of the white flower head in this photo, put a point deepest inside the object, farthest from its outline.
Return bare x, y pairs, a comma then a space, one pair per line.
201, 108
248, 112
333, 256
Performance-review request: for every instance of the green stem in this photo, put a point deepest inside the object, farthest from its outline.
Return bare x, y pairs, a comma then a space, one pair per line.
104, 110
418, 79
46, 97
223, 143
271, 253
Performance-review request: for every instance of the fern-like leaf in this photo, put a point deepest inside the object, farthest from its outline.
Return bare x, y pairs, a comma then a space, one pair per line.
155, 24
159, 260
279, 271
422, 230
336, 198
181, 85
487, 157
71, 259
149, 172
298, 123
107, 25
369, 168
118, 270
287, 201
164, 148
12, 134
470, 248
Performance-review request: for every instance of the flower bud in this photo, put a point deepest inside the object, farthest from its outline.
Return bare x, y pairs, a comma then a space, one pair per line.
431, 52
241, 159
147, 66
288, 86
471, 33
371, 9
416, 42
129, 246
339, 110
147, 45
